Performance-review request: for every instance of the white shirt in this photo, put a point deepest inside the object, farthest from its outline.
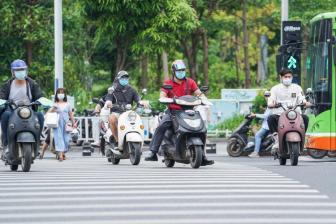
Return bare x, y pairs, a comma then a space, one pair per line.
18, 93
291, 94
264, 116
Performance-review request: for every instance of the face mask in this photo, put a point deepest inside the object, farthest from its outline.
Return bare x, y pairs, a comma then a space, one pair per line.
60, 96
287, 81
123, 82
20, 75
180, 74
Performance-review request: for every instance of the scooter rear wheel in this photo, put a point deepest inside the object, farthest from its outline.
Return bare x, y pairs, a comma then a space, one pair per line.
169, 162
14, 167
196, 156
282, 161
102, 146
114, 160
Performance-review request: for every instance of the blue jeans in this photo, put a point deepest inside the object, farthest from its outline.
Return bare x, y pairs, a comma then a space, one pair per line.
4, 124
259, 137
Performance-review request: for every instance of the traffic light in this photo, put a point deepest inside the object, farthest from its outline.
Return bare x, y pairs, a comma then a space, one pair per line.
290, 50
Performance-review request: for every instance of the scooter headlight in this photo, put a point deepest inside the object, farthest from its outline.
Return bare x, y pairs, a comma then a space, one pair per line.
24, 113
291, 115
193, 123
132, 116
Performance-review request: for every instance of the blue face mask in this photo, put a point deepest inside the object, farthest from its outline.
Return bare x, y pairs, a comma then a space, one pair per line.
123, 82
20, 75
180, 74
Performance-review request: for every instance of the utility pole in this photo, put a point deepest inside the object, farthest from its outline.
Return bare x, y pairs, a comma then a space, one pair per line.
284, 16
58, 35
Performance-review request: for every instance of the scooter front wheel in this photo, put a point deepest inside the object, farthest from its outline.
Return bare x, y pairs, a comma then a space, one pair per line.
196, 156
294, 150
135, 152
235, 147
26, 160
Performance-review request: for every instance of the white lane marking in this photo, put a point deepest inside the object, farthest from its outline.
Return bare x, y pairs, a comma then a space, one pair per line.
189, 212
103, 197
144, 185
158, 191
149, 181
174, 205
213, 220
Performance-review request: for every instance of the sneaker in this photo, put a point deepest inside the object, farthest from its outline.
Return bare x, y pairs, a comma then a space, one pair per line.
4, 153
207, 162
96, 144
151, 156
254, 155
275, 148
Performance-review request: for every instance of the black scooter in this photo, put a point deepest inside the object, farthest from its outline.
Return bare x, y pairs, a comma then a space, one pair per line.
239, 144
23, 136
185, 143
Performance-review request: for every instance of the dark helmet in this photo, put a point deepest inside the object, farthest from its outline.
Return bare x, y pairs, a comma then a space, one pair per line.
18, 64
178, 65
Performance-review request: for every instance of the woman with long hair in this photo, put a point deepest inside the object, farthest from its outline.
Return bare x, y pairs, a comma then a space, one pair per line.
61, 135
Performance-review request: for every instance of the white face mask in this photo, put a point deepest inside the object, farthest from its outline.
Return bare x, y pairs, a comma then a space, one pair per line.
60, 96
287, 81
20, 75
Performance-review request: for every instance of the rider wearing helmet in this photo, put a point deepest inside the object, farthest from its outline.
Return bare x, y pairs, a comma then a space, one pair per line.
181, 86
19, 89
119, 95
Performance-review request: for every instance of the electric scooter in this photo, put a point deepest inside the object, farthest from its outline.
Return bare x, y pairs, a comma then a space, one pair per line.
185, 142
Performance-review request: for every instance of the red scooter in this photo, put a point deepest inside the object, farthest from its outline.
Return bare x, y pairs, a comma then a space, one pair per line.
291, 134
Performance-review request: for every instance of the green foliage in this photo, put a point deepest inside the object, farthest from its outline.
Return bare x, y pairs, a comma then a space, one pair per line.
101, 36
231, 123
259, 103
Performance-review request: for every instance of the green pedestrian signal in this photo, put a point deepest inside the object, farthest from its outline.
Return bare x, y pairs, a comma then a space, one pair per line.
291, 62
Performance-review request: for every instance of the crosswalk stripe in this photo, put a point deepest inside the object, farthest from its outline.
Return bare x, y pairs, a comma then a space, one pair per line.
88, 190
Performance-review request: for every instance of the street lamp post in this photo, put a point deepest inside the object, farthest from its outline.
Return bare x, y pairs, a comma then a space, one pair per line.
284, 16
58, 33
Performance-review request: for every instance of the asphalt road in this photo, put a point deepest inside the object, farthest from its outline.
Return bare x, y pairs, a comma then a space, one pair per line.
234, 190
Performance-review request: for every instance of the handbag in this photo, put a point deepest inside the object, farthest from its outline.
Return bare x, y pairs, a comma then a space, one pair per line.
51, 119
68, 128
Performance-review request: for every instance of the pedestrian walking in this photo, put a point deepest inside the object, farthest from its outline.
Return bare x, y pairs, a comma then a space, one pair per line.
61, 132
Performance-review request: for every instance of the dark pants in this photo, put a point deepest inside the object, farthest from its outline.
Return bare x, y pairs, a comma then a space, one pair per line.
165, 124
273, 121
4, 124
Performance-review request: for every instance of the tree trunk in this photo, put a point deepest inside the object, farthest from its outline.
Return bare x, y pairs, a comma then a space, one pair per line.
158, 81
144, 71
121, 55
246, 42
237, 55
304, 57
205, 58
165, 65
29, 48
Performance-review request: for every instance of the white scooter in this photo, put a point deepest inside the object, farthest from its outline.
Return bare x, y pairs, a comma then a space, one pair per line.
130, 137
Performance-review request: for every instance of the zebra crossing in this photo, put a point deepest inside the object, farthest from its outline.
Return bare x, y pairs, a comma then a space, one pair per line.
91, 190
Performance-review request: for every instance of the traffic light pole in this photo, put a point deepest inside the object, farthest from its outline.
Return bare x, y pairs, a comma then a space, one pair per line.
284, 16
58, 34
